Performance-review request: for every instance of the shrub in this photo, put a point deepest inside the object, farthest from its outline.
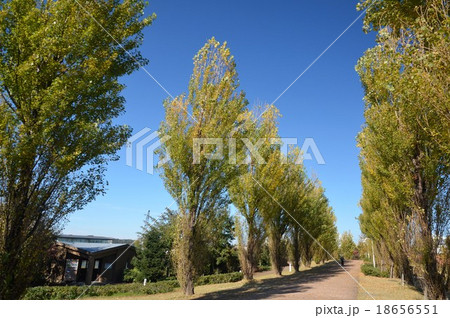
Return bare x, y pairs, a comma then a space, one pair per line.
72, 292
264, 268
369, 270
53, 292
219, 278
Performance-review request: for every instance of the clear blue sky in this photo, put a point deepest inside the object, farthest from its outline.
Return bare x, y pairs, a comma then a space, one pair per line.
273, 42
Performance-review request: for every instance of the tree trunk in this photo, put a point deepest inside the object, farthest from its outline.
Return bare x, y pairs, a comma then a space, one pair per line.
296, 250
248, 267
185, 253
307, 257
188, 270
275, 252
248, 254
307, 262
248, 262
434, 280
188, 286
9, 290
10, 267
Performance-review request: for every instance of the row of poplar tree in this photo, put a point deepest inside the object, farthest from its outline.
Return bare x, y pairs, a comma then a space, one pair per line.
59, 97
273, 196
405, 141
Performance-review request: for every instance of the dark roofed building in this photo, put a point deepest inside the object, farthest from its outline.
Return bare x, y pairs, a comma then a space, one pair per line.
81, 259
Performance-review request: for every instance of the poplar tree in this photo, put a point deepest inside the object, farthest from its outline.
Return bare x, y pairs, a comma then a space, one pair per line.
59, 95
213, 108
318, 212
274, 183
405, 154
300, 187
284, 179
346, 245
245, 192
328, 239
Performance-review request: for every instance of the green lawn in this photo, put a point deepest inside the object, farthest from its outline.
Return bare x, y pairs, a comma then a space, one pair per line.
386, 289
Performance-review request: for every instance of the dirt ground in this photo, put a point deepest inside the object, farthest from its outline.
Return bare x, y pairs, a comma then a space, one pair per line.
328, 281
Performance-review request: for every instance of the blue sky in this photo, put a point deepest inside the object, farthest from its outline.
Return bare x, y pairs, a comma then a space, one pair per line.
273, 43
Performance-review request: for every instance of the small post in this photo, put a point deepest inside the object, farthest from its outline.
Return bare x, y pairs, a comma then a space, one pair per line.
145, 281
290, 267
403, 279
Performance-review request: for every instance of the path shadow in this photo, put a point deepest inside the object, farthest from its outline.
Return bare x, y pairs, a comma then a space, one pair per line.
265, 288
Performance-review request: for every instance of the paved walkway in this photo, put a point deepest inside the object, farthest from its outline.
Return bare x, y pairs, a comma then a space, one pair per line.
328, 281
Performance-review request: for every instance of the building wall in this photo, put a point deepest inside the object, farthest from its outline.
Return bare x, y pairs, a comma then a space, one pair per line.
60, 254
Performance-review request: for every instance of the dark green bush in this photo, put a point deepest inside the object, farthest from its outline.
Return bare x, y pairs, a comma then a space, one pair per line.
72, 292
53, 292
369, 270
263, 268
219, 278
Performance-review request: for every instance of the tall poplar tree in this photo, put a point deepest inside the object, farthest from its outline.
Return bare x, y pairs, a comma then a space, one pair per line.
213, 108
246, 194
59, 94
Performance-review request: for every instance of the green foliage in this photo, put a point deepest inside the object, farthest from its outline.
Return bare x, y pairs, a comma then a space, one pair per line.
405, 152
263, 268
155, 255
246, 192
73, 292
221, 254
347, 246
219, 278
59, 96
369, 270
318, 225
278, 181
393, 13
264, 257
152, 260
275, 197
50, 293
212, 108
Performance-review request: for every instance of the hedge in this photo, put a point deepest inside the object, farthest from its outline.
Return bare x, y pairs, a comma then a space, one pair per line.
369, 270
73, 292
219, 278
263, 268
